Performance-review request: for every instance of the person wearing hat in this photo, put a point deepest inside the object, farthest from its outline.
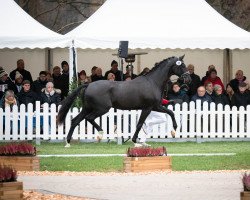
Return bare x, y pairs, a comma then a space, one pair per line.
114, 69
6, 83
242, 96
18, 81
26, 95
39, 84
9, 100
21, 69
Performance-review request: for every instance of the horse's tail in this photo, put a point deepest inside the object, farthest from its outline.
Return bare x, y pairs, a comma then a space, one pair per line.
66, 104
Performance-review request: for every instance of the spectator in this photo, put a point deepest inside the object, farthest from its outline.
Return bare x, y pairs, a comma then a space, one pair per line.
209, 88
239, 77
201, 95
129, 73
93, 72
241, 97
57, 80
82, 77
214, 79
50, 95
49, 77
219, 96
114, 69
64, 79
144, 71
18, 81
177, 95
6, 83
39, 84
195, 83
21, 69
8, 100
26, 95
207, 74
229, 93
111, 77
98, 75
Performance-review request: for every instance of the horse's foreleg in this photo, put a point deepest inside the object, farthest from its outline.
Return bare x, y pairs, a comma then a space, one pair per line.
98, 128
144, 115
74, 122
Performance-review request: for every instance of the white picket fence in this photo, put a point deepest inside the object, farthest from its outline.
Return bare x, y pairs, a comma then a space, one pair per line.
194, 121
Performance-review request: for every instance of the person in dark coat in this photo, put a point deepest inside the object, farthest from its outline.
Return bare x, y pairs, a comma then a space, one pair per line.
50, 95
20, 68
195, 83
26, 95
219, 97
242, 97
239, 77
65, 79
201, 95
129, 73
39, 84
177, 95
6, 83
114, 69
98, 75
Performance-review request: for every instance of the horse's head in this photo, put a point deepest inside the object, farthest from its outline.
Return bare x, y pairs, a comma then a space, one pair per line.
180, 70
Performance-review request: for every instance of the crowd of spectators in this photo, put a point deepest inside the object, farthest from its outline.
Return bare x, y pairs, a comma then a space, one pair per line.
19, 87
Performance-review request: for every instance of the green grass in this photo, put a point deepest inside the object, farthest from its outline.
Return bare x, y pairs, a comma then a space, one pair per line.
105, 164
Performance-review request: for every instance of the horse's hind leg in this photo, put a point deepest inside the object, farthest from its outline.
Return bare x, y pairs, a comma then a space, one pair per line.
74, 122
144, 115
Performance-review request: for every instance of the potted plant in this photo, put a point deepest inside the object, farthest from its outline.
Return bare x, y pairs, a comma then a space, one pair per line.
145, 159
20, 156
10, 188
245, 195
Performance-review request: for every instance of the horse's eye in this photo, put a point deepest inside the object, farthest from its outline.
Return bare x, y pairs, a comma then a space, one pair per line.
178, 62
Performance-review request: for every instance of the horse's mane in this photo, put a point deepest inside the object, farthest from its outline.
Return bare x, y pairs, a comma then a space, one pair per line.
157, 65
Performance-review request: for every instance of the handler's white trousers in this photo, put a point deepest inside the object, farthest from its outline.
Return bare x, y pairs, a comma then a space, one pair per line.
152, 119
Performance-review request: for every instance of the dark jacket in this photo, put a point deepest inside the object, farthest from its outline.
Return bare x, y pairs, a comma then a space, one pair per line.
26, 75
194, 84
38, 85
65, 85
241, 99
178, 97
27, 97
235, 84
7, 85
53, 97
97, 78
204, 78
222, 99
205, 98
118, 75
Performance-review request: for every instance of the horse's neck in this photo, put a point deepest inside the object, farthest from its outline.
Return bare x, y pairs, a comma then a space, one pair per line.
160, 76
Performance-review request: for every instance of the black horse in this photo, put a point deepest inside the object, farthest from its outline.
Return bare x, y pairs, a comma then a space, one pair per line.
142, 93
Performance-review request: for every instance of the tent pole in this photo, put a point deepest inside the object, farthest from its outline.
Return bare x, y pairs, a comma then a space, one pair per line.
227, 65
48, 59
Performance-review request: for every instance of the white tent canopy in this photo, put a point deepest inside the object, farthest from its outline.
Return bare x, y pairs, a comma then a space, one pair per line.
159, 24
20, 30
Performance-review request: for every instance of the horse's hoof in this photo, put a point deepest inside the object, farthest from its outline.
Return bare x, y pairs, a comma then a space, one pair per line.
173, 133
99, 136
138, 145
67, 145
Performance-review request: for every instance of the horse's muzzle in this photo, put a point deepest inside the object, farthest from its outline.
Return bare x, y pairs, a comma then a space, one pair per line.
186, 77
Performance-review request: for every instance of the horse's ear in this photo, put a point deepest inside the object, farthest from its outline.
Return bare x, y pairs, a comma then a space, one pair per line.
181, 58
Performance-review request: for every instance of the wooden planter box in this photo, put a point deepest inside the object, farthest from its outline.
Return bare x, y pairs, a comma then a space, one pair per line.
11, 190
147, 164
245, 196
21, 163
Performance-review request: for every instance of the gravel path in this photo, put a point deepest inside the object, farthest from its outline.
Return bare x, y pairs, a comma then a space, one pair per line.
222, 185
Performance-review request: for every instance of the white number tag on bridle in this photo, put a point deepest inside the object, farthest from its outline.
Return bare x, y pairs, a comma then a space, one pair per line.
178, 62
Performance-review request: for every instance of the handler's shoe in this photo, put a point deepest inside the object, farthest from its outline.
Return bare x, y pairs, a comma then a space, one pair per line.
144, 144
99, 136
67, 145
173, 133
138, 145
